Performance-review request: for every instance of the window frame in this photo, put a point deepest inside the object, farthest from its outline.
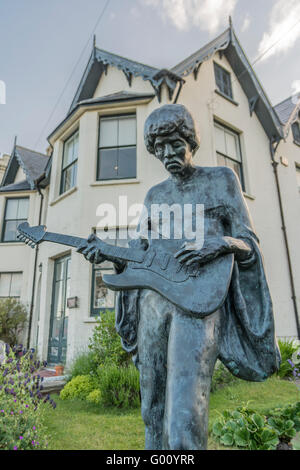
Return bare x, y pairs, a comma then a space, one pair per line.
4, 220
241, 163
11, 273
222, 92
74, 162
296, 138
99, 148
95, 312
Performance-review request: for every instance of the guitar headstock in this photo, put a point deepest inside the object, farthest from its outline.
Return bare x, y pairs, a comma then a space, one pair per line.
32, 236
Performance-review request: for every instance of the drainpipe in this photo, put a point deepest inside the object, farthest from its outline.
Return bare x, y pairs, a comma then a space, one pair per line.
37, 182
292, 283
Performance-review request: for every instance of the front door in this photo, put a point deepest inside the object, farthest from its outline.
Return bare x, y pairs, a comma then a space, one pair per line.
59, 312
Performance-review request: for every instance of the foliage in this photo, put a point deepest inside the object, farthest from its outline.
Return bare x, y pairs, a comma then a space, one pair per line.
285, 428
287, 413
13, 318
119, 386
221, 377
79, 387
21, 402
84, 364
248, 429
288, 348
105, 343
94, 397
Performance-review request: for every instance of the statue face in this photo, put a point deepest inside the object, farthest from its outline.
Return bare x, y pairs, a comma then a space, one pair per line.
174, 152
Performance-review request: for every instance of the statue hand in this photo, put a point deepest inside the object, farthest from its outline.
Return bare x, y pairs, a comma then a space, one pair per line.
91, 251
213, 247
191, 253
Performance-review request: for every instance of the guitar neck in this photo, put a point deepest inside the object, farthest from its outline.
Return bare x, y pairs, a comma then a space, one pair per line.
112, 253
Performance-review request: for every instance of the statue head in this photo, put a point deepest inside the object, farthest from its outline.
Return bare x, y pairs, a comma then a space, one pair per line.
170, 135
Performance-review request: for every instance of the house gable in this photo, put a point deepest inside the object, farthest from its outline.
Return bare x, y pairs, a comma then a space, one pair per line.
228, 45
24, 166
98, 65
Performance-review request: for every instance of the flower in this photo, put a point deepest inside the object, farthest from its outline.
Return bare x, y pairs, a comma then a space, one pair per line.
15, 448
34, 428
21, 438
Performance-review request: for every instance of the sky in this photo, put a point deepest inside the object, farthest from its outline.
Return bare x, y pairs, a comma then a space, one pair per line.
45, 46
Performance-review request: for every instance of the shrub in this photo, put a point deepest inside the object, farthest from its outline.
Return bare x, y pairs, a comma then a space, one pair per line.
13, 318
246, 429
79, 387
84, 364
94, 397
221, 377
105, 343
287, 413
287, 350
21, 402
119, 386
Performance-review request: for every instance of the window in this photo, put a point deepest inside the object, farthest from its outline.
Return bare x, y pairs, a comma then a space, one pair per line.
229, 150
102, 298
117, 148
16, 212
296, 132
298, 176
69, 166
10, 285
223, 81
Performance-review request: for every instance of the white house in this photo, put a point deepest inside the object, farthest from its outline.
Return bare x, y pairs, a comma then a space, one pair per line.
98, 156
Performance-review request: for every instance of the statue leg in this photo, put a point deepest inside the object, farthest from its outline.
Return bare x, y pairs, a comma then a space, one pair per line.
152, 360
192, 353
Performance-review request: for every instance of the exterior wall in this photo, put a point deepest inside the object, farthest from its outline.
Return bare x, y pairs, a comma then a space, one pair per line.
75, 212
17, 257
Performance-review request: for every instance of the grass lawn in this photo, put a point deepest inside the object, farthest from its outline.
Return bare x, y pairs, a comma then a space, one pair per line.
77, 425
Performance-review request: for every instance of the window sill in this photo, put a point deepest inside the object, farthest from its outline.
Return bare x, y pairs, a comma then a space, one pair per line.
90, 320
12, 243
248, 196
62, 196
114, 182
226, 97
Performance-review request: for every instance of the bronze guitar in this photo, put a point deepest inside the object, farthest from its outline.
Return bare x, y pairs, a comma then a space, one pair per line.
156, 269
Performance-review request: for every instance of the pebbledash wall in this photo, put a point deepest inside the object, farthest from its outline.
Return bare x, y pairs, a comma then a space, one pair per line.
75, 211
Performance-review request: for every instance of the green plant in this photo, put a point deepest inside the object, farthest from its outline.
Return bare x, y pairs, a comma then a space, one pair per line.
285, 429
84, 364
287, 350
105, 343
13, 318
79, 387
287, 413
21, 402
221, 377
94, 397
119, 386
245, 428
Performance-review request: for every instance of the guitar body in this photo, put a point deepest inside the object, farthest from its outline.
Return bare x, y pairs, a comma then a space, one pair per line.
197, 290
201, 291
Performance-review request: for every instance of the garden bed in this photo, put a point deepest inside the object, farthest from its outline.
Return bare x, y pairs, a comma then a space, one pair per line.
78, 425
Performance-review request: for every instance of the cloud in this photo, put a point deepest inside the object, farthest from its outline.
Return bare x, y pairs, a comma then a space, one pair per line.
282, 34
296, 91
208, 15
246, 23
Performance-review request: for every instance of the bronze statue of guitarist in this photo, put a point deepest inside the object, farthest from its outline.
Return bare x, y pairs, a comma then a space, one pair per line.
175, 321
